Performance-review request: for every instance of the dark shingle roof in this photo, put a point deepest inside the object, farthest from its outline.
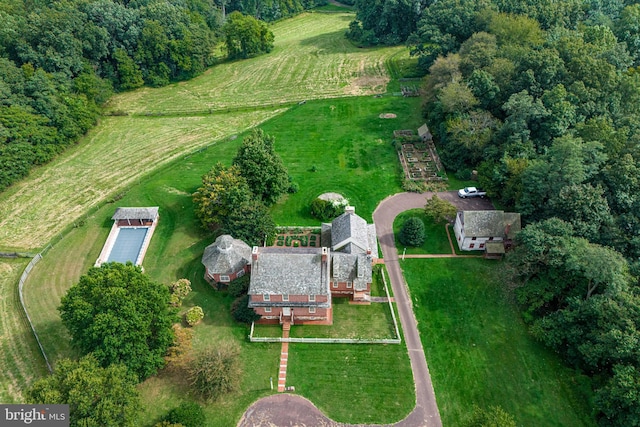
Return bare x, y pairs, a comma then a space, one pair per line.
226, 255
136, 213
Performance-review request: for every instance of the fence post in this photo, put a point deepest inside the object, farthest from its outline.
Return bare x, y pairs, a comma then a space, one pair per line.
23, 278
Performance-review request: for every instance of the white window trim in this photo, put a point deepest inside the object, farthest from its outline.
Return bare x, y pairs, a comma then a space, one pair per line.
349, 284
285, 297
266, 297
267, 309
312, 298
312, 310
335, 283
225, 279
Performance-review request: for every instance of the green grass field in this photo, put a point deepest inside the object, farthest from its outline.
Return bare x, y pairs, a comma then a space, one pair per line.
354, 383
435, 242
311, 59
20, 359
479, 351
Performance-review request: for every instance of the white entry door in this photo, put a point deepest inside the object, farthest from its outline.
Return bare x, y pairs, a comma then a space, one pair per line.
286, 311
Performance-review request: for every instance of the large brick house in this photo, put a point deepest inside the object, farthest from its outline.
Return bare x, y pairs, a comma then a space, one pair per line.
296, 284
291, 285
225, 260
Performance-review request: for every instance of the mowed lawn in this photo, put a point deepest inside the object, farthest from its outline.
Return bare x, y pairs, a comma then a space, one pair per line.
479, 351
311, 59
178, 244
114, 155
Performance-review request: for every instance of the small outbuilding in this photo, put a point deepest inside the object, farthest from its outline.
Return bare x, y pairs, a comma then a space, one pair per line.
226, 259
474, 229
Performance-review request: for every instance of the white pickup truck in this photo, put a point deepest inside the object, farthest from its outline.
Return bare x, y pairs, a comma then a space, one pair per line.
471, 192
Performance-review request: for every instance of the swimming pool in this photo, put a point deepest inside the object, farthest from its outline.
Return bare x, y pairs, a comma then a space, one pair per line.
128, 244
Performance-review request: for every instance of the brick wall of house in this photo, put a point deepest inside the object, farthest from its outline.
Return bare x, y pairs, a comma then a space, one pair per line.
215, 278
292, 298
301, 315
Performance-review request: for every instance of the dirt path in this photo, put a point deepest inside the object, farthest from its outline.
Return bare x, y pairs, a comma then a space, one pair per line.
284, 410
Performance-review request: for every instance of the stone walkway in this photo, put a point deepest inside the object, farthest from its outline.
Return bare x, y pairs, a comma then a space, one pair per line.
284, 358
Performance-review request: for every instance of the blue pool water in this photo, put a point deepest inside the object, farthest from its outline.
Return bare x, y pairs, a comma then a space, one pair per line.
128, 245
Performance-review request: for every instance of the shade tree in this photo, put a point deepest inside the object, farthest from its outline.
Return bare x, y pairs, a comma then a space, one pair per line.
246, 36
261, 166
117, 313
96, 395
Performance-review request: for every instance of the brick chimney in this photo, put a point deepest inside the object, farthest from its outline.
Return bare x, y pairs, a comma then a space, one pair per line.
368, 251
325, 254
254, 253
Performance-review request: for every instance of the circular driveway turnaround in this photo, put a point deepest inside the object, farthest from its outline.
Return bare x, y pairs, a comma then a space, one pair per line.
285, 410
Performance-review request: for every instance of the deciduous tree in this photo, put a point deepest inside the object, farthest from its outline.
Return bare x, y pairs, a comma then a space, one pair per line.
117, 313
223, 190
259, 163
439, 210
96, 396
246, 36
216, 371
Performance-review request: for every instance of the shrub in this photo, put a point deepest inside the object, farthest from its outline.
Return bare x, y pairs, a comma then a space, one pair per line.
215, 371
412, 232
179, 291
240, 286
326, 210
439, 210
194, 315
188, 414
178, 353
241, 311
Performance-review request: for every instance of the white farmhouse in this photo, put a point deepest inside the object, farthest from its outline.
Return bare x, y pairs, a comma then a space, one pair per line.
473, 229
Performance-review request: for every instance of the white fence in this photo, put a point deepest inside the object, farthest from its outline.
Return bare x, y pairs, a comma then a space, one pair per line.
23, 279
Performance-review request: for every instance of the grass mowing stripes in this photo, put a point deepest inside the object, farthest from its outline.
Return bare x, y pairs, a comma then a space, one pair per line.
20, 358
114, 155
356, 383
479, 350
311, 59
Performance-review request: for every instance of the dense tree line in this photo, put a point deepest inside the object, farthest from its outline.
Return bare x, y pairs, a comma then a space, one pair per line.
59, 61
270, 10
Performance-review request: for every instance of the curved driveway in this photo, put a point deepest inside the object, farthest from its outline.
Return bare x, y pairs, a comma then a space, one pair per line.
289, 410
